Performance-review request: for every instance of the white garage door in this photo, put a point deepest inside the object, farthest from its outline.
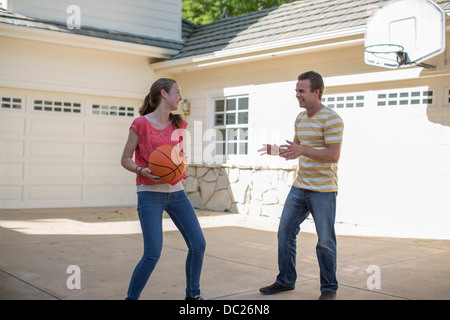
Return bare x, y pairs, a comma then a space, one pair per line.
63, 150
395, 160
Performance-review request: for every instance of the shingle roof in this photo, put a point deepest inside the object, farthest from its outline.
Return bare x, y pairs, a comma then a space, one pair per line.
11, 18
288, 21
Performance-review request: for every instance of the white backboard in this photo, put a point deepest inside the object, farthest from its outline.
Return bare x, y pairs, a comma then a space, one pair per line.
404, 33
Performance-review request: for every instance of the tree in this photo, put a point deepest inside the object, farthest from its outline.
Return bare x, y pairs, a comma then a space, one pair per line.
207, 11
201, 11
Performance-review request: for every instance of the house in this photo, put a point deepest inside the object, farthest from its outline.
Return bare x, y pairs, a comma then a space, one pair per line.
238, 76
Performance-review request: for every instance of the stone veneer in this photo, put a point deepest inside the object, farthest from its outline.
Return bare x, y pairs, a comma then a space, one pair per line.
245, 190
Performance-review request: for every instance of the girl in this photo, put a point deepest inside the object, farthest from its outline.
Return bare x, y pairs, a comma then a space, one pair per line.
158, 126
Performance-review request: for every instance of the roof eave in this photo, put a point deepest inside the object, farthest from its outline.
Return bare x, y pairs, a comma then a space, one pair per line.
311, 42
82, 41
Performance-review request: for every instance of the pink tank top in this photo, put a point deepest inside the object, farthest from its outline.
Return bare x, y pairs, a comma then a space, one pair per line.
149, 139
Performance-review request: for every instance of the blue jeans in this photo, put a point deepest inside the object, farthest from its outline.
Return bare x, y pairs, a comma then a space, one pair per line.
322, 205
150, 209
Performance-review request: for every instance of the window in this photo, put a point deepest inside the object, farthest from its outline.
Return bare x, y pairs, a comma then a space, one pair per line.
231, 124
11, 103
56, 106
405, 97
115, 111
344, 101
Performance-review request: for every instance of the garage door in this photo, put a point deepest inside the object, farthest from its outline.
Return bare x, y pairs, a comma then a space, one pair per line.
395, 160
63, 150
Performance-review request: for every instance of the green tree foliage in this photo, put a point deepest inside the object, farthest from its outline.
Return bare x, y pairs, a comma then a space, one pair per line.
206, 11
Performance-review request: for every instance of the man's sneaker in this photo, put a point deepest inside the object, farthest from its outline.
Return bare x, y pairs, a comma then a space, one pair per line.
328, 295
197, 297
275, 288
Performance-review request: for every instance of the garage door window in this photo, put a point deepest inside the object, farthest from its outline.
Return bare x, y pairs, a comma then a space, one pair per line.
405, 98
114, 111
57, 106
11, 103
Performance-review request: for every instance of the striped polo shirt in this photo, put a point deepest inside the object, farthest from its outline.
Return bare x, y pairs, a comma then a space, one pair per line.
323, 128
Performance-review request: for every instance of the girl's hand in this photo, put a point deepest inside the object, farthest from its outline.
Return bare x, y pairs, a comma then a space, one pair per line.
146, 172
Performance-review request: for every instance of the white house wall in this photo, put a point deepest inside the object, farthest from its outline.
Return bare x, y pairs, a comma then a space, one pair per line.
53, 67
150, 18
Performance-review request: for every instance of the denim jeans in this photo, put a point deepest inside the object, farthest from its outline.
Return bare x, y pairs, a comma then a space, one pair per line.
322, 205
150, 209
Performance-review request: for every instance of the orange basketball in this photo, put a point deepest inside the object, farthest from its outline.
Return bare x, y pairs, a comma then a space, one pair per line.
167, 163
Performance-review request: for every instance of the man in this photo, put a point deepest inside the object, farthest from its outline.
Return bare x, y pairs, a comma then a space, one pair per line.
317, 144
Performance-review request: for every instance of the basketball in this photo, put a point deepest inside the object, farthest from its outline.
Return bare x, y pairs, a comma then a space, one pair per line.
167, 163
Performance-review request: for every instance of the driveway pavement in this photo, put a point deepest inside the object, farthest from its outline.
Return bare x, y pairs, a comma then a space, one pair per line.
46, 253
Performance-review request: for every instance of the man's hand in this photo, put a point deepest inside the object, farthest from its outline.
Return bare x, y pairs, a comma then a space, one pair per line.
270, 149
291, 150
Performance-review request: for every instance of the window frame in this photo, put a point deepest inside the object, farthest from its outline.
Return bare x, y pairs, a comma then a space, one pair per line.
240, 132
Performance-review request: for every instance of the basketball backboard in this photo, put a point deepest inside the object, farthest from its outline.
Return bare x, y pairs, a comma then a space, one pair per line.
404, 33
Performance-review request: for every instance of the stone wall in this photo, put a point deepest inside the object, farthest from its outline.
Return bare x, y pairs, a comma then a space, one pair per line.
250, 191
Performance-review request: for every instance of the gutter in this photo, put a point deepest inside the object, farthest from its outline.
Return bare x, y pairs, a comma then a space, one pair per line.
84, 41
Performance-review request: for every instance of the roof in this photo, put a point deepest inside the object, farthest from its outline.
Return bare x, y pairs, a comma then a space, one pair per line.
288, 21
17, 19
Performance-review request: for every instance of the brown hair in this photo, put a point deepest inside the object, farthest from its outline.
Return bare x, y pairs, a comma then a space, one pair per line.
153, 99
315, 80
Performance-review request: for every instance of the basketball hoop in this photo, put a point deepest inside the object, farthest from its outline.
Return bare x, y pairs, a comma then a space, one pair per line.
389, 52
395, 53
384, 48
405, 33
